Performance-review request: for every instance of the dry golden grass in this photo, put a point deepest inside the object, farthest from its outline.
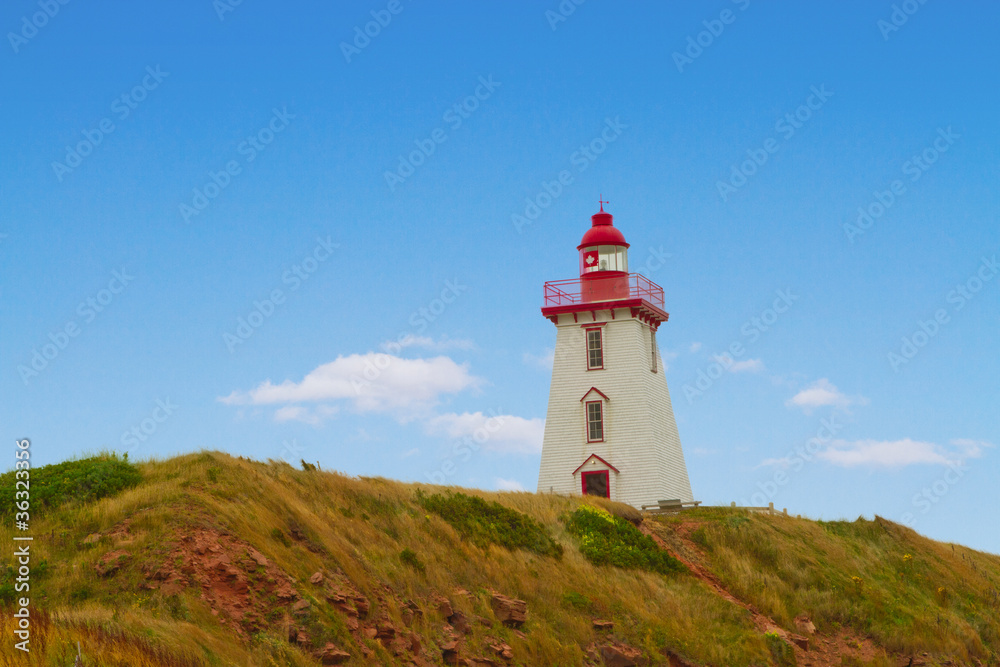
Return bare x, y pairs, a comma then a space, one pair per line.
360, 526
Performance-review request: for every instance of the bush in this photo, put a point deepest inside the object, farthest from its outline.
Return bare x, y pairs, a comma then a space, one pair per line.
611, 540
781, 651
81, 481
485, 523
410, 557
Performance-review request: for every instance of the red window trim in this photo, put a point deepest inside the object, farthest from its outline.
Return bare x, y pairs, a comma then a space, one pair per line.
600, 393
607, 481
594, 456
586, 419
587, 329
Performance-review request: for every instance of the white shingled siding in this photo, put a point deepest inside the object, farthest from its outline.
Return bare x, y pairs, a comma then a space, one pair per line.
640, 435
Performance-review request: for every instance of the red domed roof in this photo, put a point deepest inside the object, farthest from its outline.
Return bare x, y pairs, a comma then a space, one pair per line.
602, 232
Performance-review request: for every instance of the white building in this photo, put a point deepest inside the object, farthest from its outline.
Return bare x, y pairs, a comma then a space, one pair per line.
610, 428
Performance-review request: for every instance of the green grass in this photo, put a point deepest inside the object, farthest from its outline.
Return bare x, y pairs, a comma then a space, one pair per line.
79, 481
400, 542
484, 523
610, 540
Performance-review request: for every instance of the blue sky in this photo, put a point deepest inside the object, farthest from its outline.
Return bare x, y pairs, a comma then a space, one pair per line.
169, 171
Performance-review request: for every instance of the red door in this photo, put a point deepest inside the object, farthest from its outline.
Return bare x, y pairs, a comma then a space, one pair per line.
596, 484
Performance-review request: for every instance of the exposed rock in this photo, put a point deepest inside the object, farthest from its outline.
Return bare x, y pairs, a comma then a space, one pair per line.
805, 625
316, 578
385, 632
509, 611
111, 562
443, 605
799, 640
331, 655
409, 611
621, 655
258, 557
603, 625
500, 648
92, 538
460, 622
449, 652
369, 632
301, 607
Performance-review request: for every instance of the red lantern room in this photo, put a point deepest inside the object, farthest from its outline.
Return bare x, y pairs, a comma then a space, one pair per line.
603, 250
604, 282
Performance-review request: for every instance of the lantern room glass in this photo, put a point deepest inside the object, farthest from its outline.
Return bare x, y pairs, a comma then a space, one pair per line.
605, 258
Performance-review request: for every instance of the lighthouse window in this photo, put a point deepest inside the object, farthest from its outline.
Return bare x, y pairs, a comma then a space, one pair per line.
652, 351
595, 421
595, 349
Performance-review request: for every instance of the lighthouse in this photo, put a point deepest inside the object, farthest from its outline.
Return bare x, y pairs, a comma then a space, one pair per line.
610, 428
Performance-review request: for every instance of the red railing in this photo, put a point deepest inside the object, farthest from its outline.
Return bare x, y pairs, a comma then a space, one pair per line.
581, 291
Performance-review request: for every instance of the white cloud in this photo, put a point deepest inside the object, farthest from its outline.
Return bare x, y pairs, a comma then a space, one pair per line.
694, 347
426, 342
314, 416
544, 360
823, 393
509, 485
745, 366
899, 453
371, 382
412, 452
502, 433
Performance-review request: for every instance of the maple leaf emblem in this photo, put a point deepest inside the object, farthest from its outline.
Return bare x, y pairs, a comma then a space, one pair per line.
590, 259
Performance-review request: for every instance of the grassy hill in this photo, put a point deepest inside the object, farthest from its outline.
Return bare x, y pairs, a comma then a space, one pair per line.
207, 559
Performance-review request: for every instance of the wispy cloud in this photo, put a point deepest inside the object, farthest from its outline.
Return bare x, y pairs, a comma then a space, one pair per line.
502, 433
509, 485
745, 366
369, 382
694, 347
900, 453
544, 360
427, 343
823, 393
314, 415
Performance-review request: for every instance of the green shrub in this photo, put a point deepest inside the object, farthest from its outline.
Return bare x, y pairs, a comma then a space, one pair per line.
611, 540
576, 600
410, 557
781, 651
278, 535
82, 481
485, 523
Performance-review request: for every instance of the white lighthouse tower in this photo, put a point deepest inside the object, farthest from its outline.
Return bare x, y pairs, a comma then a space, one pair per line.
610, 428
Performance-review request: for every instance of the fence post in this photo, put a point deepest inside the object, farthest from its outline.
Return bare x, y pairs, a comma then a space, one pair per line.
770, 508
